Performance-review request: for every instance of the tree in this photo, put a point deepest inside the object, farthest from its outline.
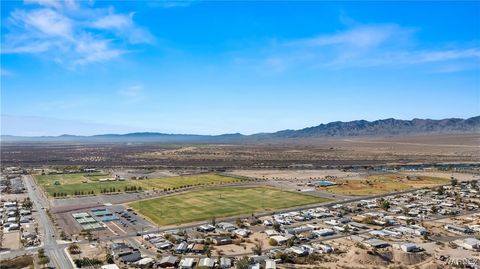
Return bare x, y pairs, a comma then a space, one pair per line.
291, 241
272, 242
239, 222
27, 203
109, 259
276, 226
258, 248
440, 190
368, 220
244, 263
383, 204
474, 184
1, 239
208, 250
43, 259
74, 249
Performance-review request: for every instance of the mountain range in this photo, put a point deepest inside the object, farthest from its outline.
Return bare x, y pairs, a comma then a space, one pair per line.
384, 127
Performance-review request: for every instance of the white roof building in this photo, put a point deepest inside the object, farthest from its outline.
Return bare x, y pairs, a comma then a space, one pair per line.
270, 264
110, 266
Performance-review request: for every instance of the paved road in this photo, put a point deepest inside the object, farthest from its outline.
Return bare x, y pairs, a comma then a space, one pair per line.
58, 257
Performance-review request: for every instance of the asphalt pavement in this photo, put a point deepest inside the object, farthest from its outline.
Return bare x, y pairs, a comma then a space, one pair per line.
56, 252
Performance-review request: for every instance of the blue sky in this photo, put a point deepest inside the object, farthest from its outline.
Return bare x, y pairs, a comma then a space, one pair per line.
221, 67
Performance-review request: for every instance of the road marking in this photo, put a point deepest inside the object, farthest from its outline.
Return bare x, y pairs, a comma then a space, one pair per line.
111, 229
118, 227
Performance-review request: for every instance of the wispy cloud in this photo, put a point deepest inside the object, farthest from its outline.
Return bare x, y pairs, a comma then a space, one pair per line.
71, 33
364, 36
360, 46
4, 72
133, 93
171, 4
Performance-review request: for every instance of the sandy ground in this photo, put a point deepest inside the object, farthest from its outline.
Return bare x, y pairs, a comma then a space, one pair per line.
249, 243
13, 197
91, 251
138, 173
459, 176
11, 240
294, 174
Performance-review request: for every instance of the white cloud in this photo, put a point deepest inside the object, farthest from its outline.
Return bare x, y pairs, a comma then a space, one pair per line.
171, 4
46, 3
71, 33
366, 36
360, 46
4, 72
123, 25
133, 93
43, 21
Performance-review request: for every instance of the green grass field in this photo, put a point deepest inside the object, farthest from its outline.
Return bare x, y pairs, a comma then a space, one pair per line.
379, 184
86, 183
220, 202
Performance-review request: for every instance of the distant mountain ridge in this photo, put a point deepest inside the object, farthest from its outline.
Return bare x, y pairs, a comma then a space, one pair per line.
385, 127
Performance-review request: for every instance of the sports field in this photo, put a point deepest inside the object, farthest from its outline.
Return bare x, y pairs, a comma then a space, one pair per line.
378, 184
220, 202
82, 183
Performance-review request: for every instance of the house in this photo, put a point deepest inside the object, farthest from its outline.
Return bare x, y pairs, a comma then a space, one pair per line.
167, 261
220, 241
457, 229
187, 263
206, 228
297, 251
323, 248
225, 263
270, 264
24, 212
25, 219
376, 243
259, 258
270, 233
309, 249
299, 230
408, 247
164, 244
130, 257
324, 232
242, 232
267, 223
470, 244
145, 262
181, 248
110, 266
206, 263
125, 253
226, 226
13, 227
281, 240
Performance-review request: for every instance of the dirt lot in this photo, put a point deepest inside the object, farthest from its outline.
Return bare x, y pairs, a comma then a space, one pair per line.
11, 240
294, 174
246, 246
